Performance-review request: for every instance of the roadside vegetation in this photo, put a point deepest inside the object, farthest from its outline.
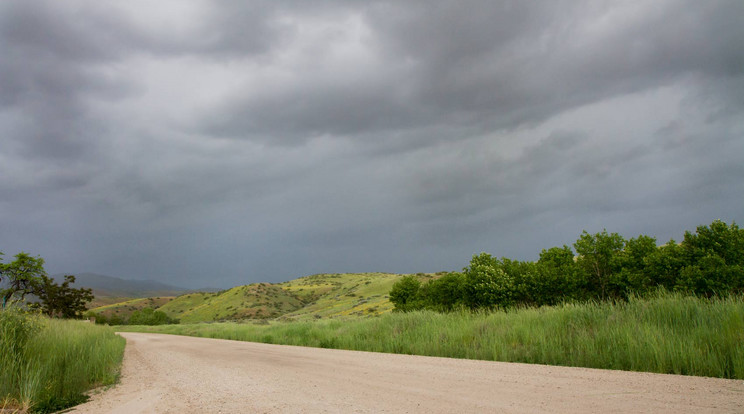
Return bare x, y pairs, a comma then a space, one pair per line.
665, 333
606, 266
48, 364
48, 360
613, 304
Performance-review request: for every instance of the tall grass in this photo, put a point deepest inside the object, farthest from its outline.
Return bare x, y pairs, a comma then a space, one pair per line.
668, 333
48, 364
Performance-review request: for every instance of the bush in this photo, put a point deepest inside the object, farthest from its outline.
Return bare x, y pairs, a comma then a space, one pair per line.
404, 293
149, 316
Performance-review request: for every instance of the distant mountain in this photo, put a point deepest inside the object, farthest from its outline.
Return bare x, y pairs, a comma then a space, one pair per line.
110, 286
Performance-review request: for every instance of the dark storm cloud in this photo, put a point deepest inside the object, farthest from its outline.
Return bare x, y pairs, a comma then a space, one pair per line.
266, 140
46, 78
492, 66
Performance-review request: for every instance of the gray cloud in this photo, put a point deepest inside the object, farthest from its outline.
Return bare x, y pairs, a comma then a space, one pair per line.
261, 141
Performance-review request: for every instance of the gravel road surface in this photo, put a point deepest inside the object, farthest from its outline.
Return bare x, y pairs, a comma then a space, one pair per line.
177, 374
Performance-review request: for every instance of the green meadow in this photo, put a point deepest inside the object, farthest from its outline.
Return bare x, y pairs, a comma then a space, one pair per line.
666, 333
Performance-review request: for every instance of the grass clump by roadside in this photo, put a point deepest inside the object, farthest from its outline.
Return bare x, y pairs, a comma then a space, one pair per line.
48, 364
668, 333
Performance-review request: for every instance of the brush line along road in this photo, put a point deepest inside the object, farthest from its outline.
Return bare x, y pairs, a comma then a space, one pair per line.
177, 374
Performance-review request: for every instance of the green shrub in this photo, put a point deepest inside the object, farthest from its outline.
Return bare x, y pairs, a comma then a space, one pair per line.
149, 316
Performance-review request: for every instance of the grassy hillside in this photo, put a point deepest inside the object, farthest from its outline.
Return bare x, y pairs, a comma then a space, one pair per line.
312, 297
126, 308
340, 295
257, 301
100, 301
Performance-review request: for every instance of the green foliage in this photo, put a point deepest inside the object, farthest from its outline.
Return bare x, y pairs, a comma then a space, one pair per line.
149, 316
663, 267
20, 275
48, 364
708, 262
61, 300
558, 278
487, 284
404, 294
444, 294
598, 257
665, 333
715, 260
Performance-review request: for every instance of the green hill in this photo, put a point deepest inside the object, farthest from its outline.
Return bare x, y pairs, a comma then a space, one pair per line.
346, 295
339, 295
126, 308
257, 301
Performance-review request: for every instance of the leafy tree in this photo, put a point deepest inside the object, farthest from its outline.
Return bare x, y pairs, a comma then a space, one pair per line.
664, 266
443, 294
634, 275
61, 300
715, 260
404, 293
21, 275
486, 283
561, 278
718, 239
598, 255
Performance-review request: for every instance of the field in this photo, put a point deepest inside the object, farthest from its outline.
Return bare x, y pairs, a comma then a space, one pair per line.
668, 333
48, 364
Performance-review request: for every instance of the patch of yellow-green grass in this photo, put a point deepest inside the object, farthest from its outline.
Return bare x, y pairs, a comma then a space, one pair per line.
126, 308
256, 301
342, 295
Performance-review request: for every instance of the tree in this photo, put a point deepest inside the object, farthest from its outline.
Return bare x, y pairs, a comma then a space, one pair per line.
634, 262
21, 276
714, 257
61, 300
598, 256
486, 283
404, 293
664, 265
444, 294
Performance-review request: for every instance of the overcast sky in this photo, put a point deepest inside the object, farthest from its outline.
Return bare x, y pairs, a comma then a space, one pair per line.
205, 144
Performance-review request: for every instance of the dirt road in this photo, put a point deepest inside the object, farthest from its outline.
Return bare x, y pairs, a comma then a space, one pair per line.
176, 374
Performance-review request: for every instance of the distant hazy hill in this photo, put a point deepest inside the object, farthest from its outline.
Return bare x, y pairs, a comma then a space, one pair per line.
109, 286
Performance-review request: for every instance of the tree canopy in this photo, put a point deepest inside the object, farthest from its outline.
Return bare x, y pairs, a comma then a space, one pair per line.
26, 276
61, 300
20, 276
606, 266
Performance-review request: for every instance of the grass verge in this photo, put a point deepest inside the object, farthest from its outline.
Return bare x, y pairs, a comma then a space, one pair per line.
49, 364
668, 333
